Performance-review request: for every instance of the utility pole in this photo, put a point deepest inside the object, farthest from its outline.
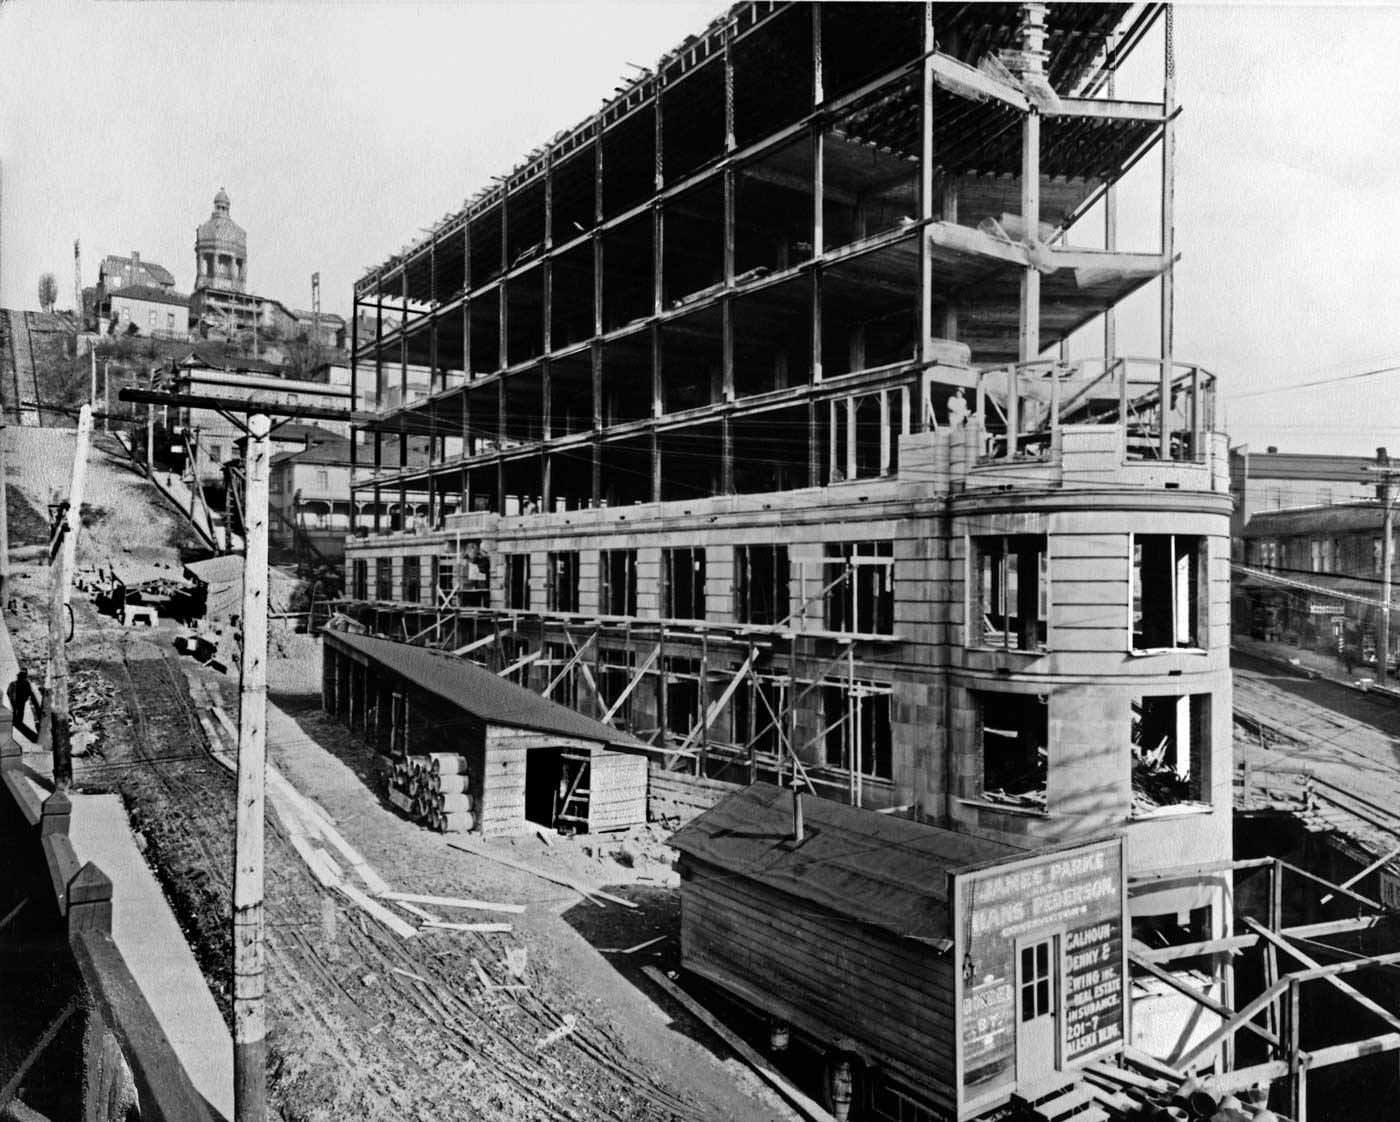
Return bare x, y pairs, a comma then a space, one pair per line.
78, 291
150, 423
63, 551
106, 392
92, 378
249, 960
1385, 491
4, 520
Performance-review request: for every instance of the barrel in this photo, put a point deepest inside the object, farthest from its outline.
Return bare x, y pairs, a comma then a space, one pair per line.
452, 803
451, 784
458, 822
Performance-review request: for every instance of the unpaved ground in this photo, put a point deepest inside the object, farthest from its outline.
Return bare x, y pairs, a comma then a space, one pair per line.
362, 1023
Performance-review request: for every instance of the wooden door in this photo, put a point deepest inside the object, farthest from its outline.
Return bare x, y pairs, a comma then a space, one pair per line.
1037, 1008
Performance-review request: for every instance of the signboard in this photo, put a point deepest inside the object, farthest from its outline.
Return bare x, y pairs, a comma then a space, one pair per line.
1074, 896
1316, 608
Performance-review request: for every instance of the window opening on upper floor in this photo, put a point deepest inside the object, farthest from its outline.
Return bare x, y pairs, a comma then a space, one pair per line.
565, 691
757, 712
680, 683
561, 592
617, 574
1011, 590
683, 583
359, 580
1167, 601
1171, 749
762, 578
517, 581
383, 578
614, 677
1013, 732
412, 581
859, 582
859, 737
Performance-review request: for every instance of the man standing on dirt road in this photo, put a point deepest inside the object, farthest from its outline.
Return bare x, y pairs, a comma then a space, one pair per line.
21, 693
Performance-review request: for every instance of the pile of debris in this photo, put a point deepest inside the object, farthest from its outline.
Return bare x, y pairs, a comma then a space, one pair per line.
1135, 1091
90, 707
434, 790
168, 596
1157, 784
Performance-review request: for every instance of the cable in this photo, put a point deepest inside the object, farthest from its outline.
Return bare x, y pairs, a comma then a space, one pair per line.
1314, 384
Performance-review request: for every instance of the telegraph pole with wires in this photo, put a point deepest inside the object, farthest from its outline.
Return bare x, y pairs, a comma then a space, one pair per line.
256, 419
249, 956
63, 552
1387, 476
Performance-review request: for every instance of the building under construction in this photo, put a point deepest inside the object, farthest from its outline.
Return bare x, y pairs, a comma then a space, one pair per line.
774, 415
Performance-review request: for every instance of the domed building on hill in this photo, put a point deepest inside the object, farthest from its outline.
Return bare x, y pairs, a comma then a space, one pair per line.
223, 306
221, 250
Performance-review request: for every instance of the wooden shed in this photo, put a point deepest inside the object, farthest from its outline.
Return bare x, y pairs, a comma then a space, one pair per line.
529, 760
953, 969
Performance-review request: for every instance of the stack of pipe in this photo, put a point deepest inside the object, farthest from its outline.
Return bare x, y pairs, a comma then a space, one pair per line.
434, 790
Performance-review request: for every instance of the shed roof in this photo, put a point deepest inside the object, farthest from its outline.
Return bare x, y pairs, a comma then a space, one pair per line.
224, 576
1337, 518
113, 263
321, 449
150, 294
1307, 465
485, 695
870, 867
217, 358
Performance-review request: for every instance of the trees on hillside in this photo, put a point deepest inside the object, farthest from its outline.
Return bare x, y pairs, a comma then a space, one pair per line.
48, 292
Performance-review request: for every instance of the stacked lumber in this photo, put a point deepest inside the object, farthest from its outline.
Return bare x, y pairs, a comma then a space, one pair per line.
434, 789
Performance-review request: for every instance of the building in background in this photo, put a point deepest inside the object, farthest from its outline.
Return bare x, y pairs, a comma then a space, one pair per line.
1275, 480
143, 310
224, 307
1307, 527
1316, 575
309, 486
746, 430
211, 437
120, 272
138, 297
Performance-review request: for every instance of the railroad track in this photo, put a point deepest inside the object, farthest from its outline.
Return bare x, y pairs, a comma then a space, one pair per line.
11, 391
588, 1073
21, 340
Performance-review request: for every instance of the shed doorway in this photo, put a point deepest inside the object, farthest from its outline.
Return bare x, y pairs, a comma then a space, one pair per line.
541, 785
1037, 1009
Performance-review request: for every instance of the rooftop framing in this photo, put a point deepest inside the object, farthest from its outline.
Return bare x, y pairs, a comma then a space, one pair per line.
783, 218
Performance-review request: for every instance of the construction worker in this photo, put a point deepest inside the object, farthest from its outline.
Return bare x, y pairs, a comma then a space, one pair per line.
957, 409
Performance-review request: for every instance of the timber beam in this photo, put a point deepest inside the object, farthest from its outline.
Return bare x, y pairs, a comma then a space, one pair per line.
1233, 943
1312, 964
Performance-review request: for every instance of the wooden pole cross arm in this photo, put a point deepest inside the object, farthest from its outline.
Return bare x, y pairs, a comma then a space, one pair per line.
247, 405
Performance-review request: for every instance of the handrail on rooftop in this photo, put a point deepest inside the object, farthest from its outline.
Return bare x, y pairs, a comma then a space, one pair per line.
1024, 405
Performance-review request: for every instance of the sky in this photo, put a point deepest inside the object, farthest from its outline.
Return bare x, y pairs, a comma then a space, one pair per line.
341, 129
